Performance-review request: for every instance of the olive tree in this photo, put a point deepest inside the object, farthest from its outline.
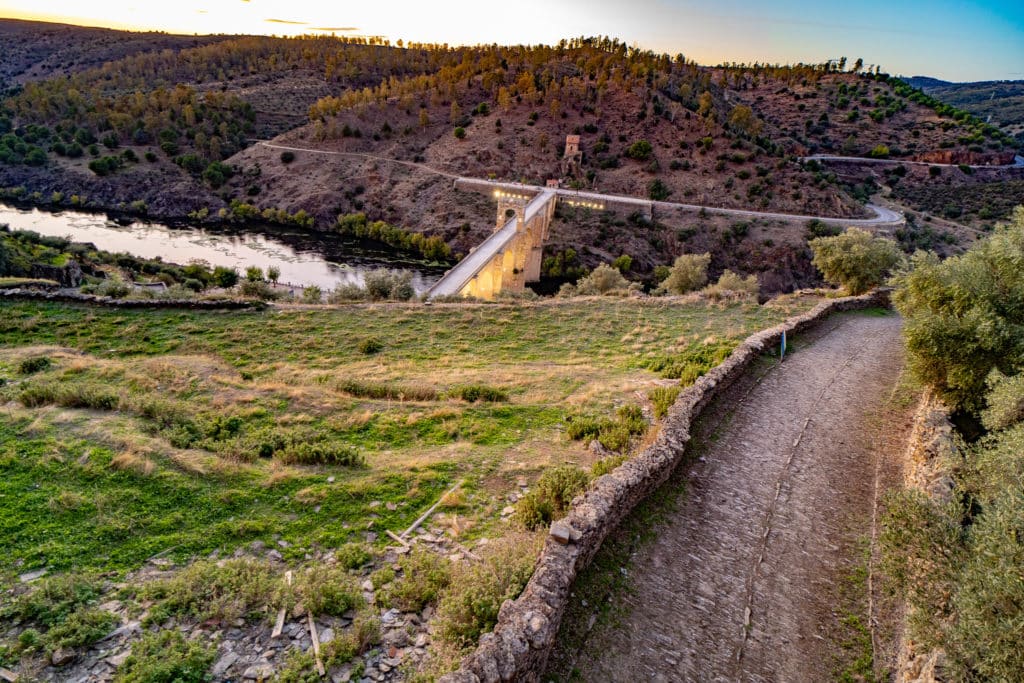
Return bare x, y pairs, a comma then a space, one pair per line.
855, 259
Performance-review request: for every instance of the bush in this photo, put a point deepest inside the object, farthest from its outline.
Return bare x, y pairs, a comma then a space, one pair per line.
322, 590
386, 284
321, 453
287, 157
657, 190
424, 575
879, 152
241, 588
166, 657
604, 280
662, 398
640, 150
460, 133
689, 273
30, 366
470, 607
731, 285
963, 315
479, 392
225, 277
370, 346
352, 555
551, 495
357, 640
855, 260
312, 294
254, 274
81, 628
54, 599
84, 394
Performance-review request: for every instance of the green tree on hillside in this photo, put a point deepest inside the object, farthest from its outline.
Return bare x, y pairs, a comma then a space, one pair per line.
855, 260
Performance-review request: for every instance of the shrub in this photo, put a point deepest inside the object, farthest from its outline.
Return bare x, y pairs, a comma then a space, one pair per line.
257, 289
386, 284
30, 366
604, 280
623, 264
321, 453
241, 588
551, 495
311, 294
89, 395
364, 634
225, 277
640, 150
606, 465
1005, 401
287, 157
480, 392
352, 555
460, 133
323, 590
113, 288
662, 398
855, 260
166, 657
582, 427
424, 575
254, 274
370, 346
879, 152
470, 607
731, 285
81, 628
658, 190
689, 273
54, 599
962, 316
391, 392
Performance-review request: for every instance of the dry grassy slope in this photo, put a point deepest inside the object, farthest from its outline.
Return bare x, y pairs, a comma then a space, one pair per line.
793, 114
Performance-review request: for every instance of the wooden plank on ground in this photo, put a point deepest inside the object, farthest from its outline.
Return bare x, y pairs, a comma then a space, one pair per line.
315, 637
396, 537
8, 675
279, 624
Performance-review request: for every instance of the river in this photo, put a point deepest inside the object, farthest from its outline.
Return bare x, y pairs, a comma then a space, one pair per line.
304, 257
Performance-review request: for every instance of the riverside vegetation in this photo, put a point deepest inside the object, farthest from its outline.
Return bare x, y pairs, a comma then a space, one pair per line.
131, 434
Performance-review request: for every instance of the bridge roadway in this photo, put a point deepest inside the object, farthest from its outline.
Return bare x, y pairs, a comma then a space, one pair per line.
466, 269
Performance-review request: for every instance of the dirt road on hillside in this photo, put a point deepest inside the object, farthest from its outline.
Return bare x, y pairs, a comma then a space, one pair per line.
743, 581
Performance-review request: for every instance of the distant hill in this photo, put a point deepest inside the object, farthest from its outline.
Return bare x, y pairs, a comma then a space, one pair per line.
34, 50
1003, 101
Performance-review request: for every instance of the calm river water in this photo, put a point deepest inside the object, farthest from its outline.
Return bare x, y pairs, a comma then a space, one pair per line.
305, 257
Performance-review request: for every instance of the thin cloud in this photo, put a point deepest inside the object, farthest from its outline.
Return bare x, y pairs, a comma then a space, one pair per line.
285, 21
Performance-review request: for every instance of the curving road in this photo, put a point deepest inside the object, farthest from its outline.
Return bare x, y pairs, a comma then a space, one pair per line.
744, 581
883, 217
1017, 163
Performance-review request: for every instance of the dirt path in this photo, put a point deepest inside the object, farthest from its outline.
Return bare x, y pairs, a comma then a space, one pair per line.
743, 581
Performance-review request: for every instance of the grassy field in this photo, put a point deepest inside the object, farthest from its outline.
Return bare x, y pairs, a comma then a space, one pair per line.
140, 433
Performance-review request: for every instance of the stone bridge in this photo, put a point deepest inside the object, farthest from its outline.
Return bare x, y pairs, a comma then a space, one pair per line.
511, 256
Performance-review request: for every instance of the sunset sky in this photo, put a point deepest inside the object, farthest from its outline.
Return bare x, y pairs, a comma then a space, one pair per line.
942, 38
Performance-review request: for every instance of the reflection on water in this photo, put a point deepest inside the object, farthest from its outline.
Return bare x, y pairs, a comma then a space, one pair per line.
303, 257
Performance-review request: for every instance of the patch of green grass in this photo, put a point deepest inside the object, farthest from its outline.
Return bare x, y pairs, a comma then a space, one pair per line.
166, 657
207, 430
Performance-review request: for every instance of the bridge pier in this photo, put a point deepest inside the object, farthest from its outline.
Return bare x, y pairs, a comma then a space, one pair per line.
512, 256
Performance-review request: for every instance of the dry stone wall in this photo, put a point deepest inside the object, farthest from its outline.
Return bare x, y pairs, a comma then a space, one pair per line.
518, 647
931, 450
